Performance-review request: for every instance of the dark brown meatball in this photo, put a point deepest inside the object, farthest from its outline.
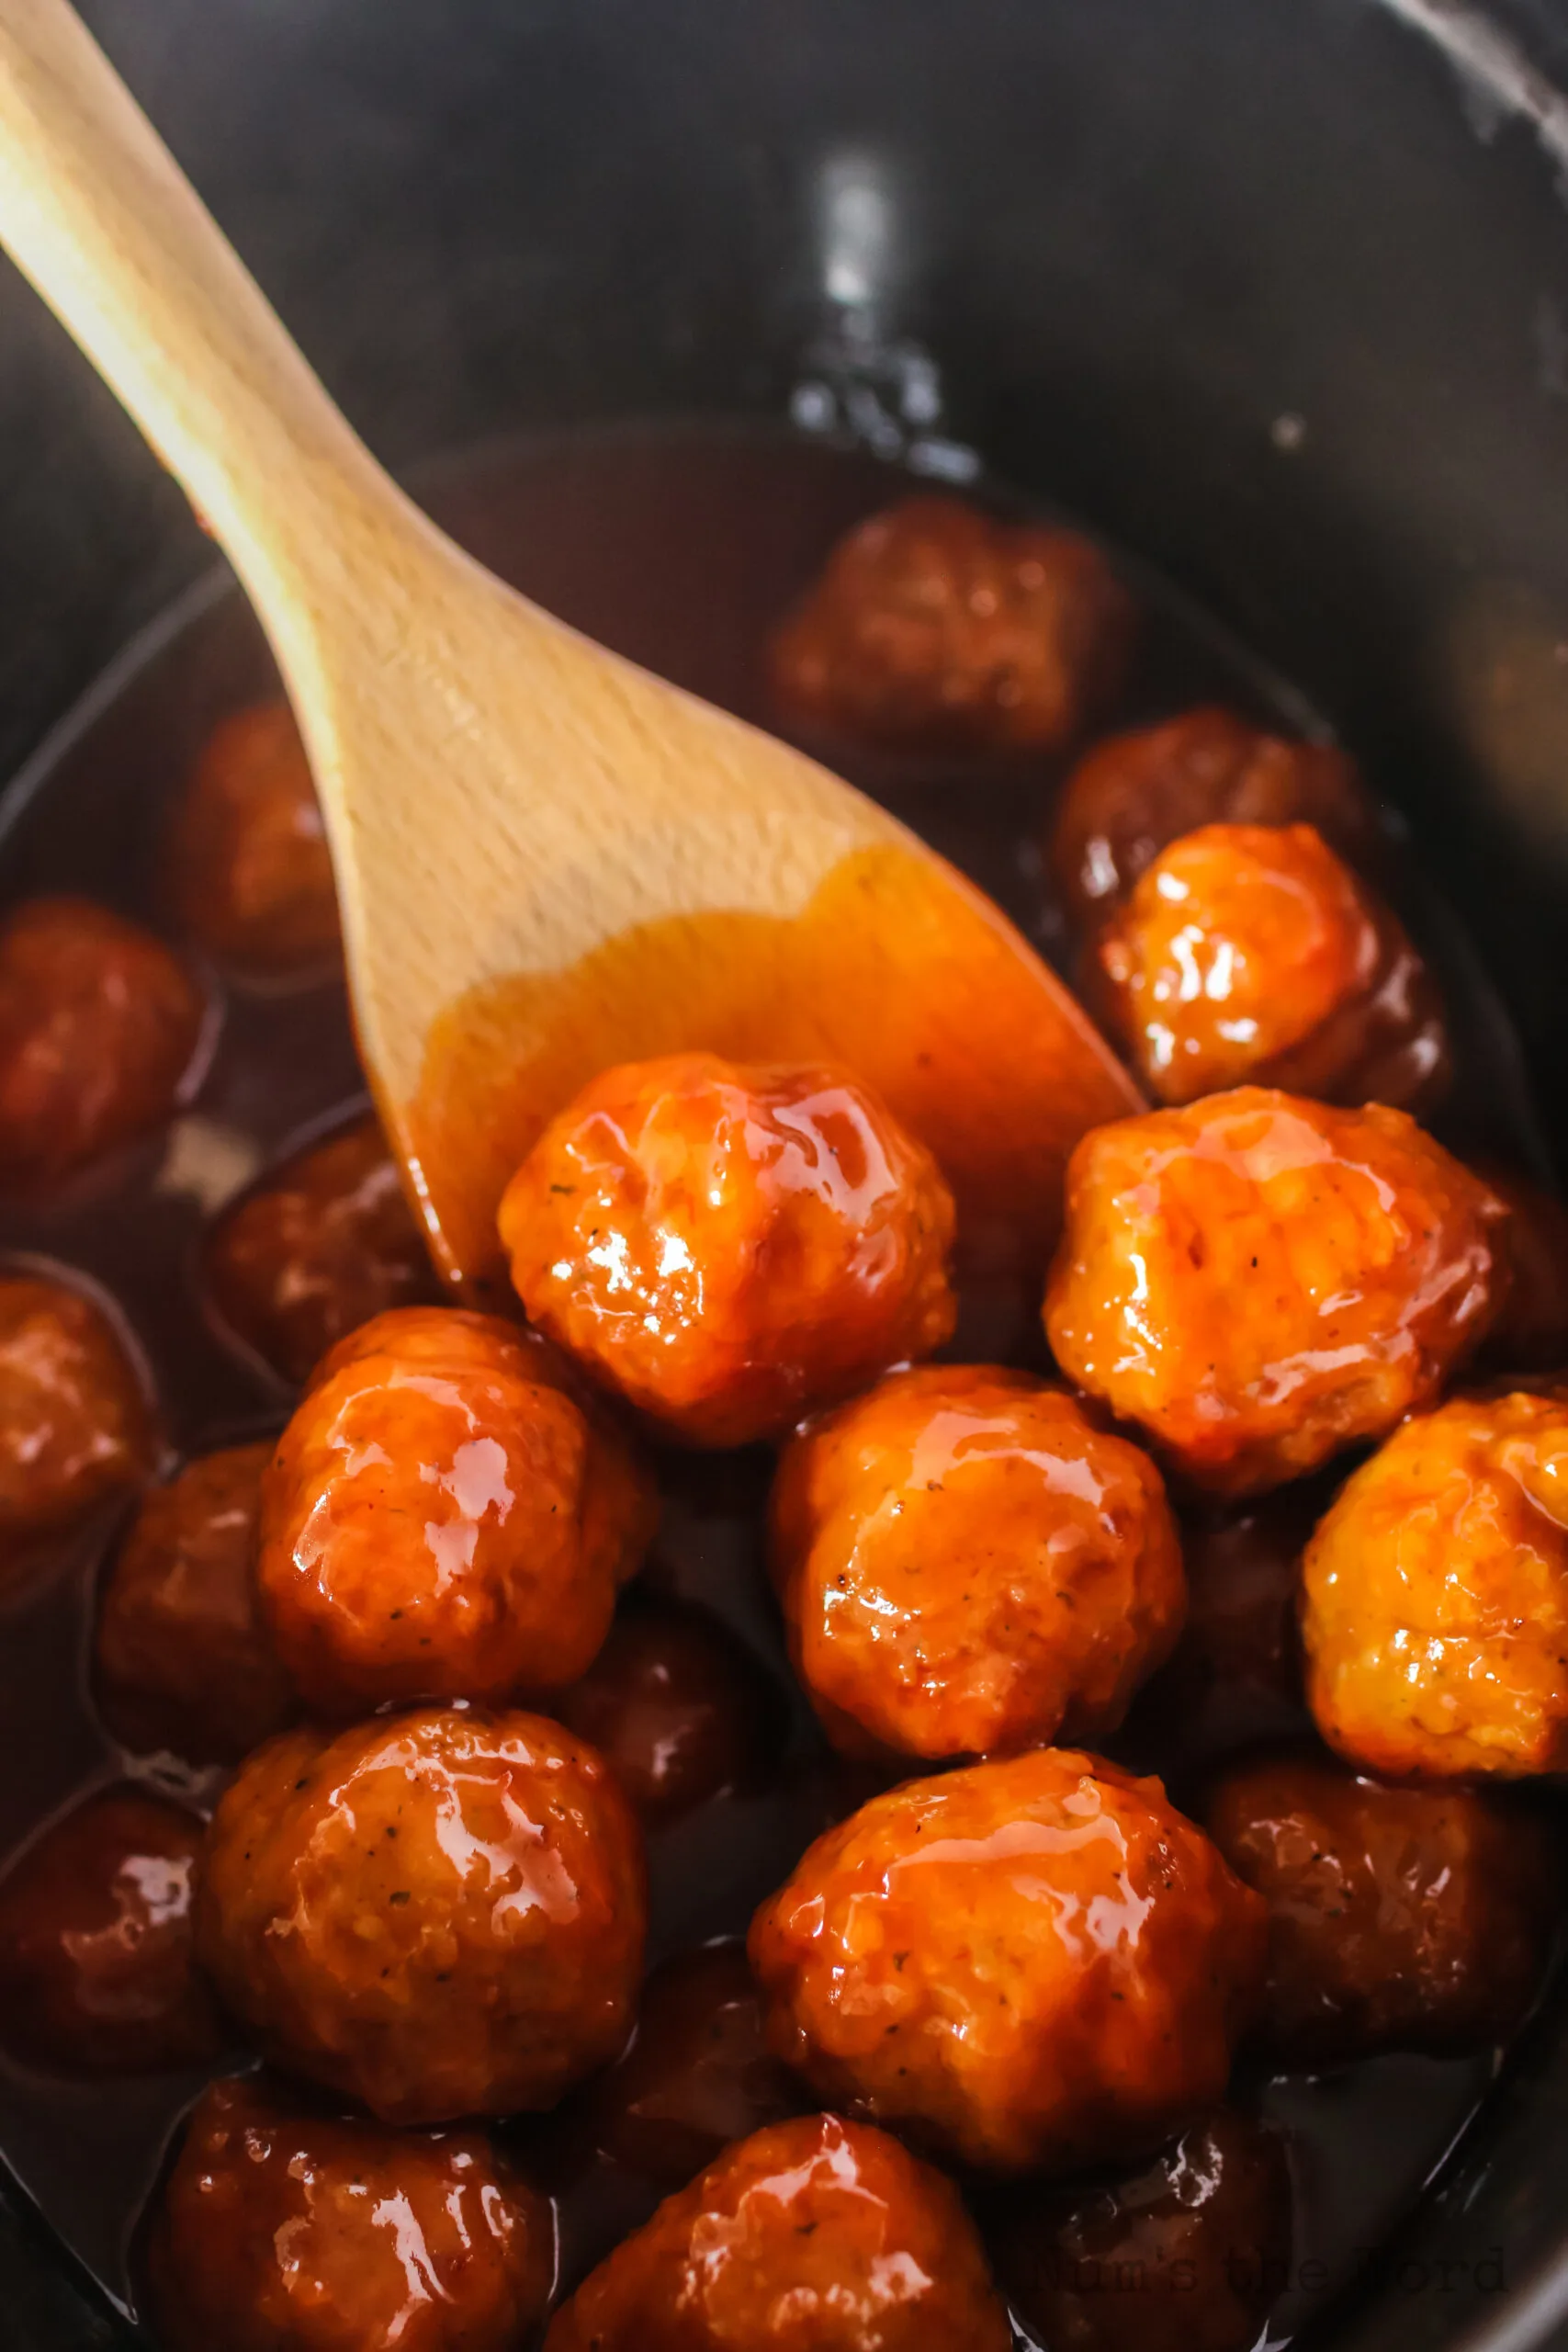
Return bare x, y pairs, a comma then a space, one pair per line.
282, 2225
1531, 1333
252, 876
98, 1025
1400, 1919
182, 1660
1236, 1672
75, 1422
678, 1709
1188, 2253
935, 624
320, 1246
439, 1912
698, 2073
98, 1974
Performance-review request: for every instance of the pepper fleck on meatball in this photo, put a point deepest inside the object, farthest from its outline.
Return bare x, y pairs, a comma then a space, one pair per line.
284, 2224
252, 876
1133, 794
97, 1971
99, 1025
1435, 1615
1035, 1962
318, 1248
440, 1521
934, 623
1399, 1918
1188, 2254
1258, 1281
441, 1913
182, 1659
75, 1424
1250, 952
729, 1247
817, 2235
967, 1566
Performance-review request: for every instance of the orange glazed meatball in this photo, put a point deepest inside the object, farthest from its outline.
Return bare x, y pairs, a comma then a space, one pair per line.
1034, 1963
934, 623
441, 1913
1250, 951
98, 1025
283, 2226
321, 1247
182, 1660
1186, 2255
1133, 793
731, 1247
1258, 1281
97, 1975
1399, 1918
678, 1708
966, 1565
1435, 1614
75, 1424
439, 1520
814, 2236
252, 879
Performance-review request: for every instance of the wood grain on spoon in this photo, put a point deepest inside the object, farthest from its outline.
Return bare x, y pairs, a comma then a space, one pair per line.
549, 861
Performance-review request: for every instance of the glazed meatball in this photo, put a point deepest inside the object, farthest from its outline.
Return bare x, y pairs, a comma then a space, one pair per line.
1031, 1962
815, 2235
967, 1566
698, 2074
1186, 2255
441, 1913
282, 2225
1237, 1671
318, 1248
252, 879
1133, 794
1250, 951
182, 1659
75, 1424
729, 1247
1435, 1615
1258, 1281
1531, 1333
678, 1709
1399, 1918
440, 1521
98, 1974
99, 1025
936, 625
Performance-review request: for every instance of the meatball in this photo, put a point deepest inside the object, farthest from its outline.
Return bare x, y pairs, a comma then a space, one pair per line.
1237, 1671
1030, 1962
1434, 1609
439, 1520
967, 1564
1250, 951
729, 1247
182, 1660
678, 1709
936, 625
320, 1247
252, 879
1399, 1918
1133, 794
441, 1914
1258, 1281
698, 2074
1186, 2255
281, 2225
1531, 1333
99, 1025
98, 1974
814, 2235
75, 1423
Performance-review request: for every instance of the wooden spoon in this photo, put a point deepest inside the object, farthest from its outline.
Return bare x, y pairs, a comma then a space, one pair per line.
548, 860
